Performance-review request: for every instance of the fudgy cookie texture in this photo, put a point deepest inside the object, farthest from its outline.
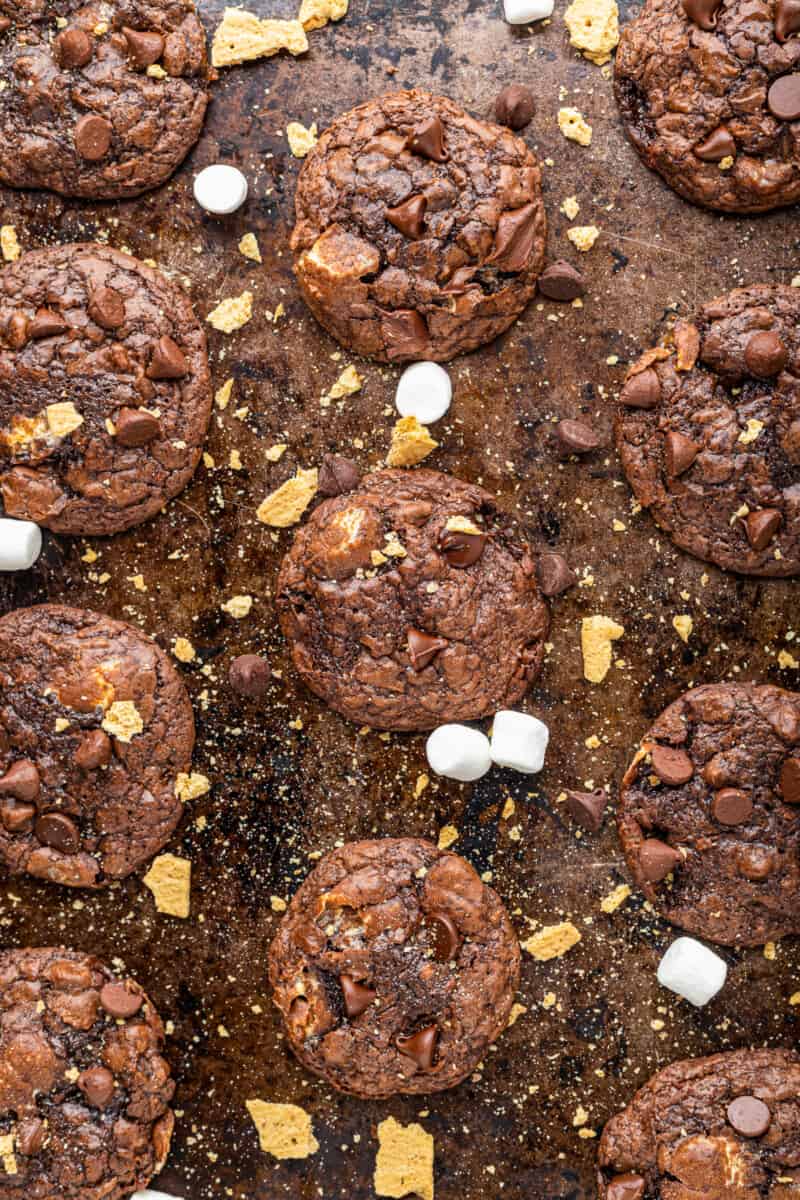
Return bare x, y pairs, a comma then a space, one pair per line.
95, 728
102, 98
709, 431
709, 813
394, 968
710, 97
725, 1127
412, 601
84, 1091
105, 392
420, 230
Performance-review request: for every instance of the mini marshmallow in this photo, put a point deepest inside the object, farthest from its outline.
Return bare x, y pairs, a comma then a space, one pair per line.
458, 752
220, 189
148, 1194
519, 741
520, 12
693, 971
424, 392
20, 544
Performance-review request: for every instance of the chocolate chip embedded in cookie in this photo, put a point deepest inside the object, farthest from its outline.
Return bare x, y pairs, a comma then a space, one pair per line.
84, 1090
100, 99
723, 1126
708, 96
411, 601
709, 431
709, 813
105, 394
420, 230
394, 968
95, 729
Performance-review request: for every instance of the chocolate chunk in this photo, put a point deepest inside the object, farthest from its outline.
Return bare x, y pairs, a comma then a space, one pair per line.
30, 1136
92, 137
422, 648
46, 324
625, 1187
702, 12
718, 145
515, 238
120, 1000
167, 360
731, 806
357, 997
405, 334
642, 390
106, 308
58, 831
672, 766
73, 48
765, 353
97, 1085
783, 98
462, 549
561, 281
657, 859
144, 48
761, 527
16, 817
420, 1046
337, 475
16, 332
136, 427
21, 781
587, 808
749, 1116
576, 437
679, 453
409, 217
94, 750
446, 938
427, 140
789, 780
249, 675
554, 574
787, 19
515, 106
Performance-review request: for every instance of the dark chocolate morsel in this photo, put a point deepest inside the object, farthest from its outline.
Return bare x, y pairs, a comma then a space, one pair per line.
249, 675
587, 808
21, 781
167, 360
554, 574
97, 1085
427, 140
576, 437
120, 1001
357, 997
73, 48
679, 453
787, 19
93, 137
515, 238
337, 475
420, 1046
783, 97
94, 750
405, 334
462, 549
409, 217
718, 145
702, 12
761, 527
749, 1116
561, 281
642, 390
45, 324
446, 937
657, 859
515, 106
766, 354
106, 308
789, 780
731, 806
672, 766
422, 648
57, 830
136, 427
144, 48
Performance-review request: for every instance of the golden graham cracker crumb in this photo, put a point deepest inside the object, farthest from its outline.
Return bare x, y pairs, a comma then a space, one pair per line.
583, 237
123, 721
597, 634
189, 787
593, 28
770, 951
460, 524
232, 313
275, 453
573, 126
242, 36
683, 626
8, 243
286, 505
570, 207
517, 1011
794, 998
238, 607
615, 899
787, 661
552, 942
7, 1158
448, 834
248, 246
314, 14
222, 396
170, 881
748, 435
422, 782
300, 139
404, 1162
284, 1130
63, 418
411, 442
277, 904
348, 383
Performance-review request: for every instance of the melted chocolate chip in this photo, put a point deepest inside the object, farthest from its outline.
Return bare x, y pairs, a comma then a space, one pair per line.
357, 997
427, 140
626, 1187
16, 817
107, 308
73, 48
58, 831
337, 475
789, 780
93, 137
731, 806
787, 19
672, 766
422, 648
405, 334
446, 938
761, 527
679, 453
702, 12
21, 781
462, 549
657, 859
718, 145
561, 281
120, 1001
144, 48
576, 438
420, 1046
642, 390
409, 217
46, 324
136, 427
97, 1085
766, 354
783, 98
749, 1116
167, 361
514, 239
94, 750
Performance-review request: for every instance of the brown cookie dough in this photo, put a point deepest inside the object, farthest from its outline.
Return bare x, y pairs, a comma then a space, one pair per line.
709, 431
84, 1091
725, 1127
105, 393
709, 813
394, 968
412, 601
420, 230
95, 727
102, 98
710, 97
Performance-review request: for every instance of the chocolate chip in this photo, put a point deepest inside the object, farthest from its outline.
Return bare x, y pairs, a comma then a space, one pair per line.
106, 307
21, 781
405, 334
427, 140
58, 831
718, 145
337, 475
462, 281
249, 675
92, 137
554, 574
789, 781
625, 1187
144, 48
119, 1000
357, 997
94, 750
765, 353
761, 527
167, 360
657, 859
787, 19
422, 648
97, 1085
642, 390
679, 453
702, 12
513, 241
409, 217
515, 106
783, 98
749, 1116
420, 1046
136, 427
446, 938
576, 437
561, 281
756, 862
73, 48
731, 806
16, 331
46, 324
672, 766
587, 808
461, 549
16, 817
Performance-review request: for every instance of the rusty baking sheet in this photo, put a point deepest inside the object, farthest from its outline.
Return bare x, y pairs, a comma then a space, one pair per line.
281, 791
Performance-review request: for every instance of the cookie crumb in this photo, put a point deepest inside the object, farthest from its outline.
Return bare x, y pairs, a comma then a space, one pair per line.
170, 881
348, 383
63, 418
189, 787
238, 607
615, 899
583, 237
284, 1130
404, 1162
314, 14
683, 626
448, 834
183, 650
222, 397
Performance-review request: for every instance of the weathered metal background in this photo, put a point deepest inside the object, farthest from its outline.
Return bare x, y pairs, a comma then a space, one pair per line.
281, 792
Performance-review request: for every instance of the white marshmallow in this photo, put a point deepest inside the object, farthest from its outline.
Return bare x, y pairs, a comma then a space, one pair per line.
20, 544
424, 392
520, 12
458, 752
519, 741
148, 1194
220, 189
693, 971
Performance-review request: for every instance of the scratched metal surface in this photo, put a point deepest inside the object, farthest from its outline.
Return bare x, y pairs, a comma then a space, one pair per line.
281, 792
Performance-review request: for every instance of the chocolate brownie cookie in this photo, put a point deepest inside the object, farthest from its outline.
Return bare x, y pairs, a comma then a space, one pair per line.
709, 92
95, 728
412, 601
105, 393
725, 1127
394, 968
709, 813
709, 431
102, 98
84, 1091
420, 231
